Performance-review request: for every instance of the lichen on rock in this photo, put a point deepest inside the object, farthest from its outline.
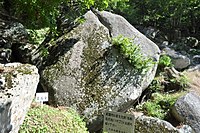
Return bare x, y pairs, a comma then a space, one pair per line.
17, 90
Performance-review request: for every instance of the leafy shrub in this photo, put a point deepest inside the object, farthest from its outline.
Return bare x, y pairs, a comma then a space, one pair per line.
38, 36
41, 13
164, 90
165, 61
168, 80
36, 13
156, 85
159, 105
181, 81
133, 53
163, 83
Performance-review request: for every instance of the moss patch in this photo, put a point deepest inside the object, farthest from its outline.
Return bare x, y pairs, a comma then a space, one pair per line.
48, 119
8, 80
23, 70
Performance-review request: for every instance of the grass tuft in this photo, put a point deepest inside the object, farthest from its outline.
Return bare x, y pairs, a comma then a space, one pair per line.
47, 119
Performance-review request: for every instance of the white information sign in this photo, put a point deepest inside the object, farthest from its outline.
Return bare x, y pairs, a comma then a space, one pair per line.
117, 122
41, 97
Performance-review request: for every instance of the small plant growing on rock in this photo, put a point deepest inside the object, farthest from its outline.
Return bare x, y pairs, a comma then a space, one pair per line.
165, 89
168, 79
181, 81
133, 53
159, 104
165, 61
156, 85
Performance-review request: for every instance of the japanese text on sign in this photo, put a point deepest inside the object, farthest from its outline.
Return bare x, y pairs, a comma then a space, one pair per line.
117, 122
41, 97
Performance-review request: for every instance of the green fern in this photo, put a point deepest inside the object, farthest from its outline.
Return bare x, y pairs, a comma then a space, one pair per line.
133, 53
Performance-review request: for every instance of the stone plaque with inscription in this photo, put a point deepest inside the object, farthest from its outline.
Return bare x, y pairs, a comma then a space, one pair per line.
117, 122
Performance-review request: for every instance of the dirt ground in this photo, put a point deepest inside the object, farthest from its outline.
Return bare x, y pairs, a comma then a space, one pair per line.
194, 80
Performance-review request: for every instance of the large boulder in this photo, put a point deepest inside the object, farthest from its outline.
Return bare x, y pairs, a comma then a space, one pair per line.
145, 124
187, 110
11, 34
18, 83
86, 72
15, 45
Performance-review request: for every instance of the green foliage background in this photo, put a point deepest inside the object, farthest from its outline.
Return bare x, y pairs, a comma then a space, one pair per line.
43, 13
168, 15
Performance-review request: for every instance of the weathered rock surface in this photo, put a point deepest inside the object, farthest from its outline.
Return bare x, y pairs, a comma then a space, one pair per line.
145, 124
18, 83
86, 72
187, 110
178, 60
14, 32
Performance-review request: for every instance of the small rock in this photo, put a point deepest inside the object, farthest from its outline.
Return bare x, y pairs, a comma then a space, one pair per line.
11, 33
187, 110
194, 68
145, 124
5, 55
196, 59
150, 32
192, 42
178, 60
